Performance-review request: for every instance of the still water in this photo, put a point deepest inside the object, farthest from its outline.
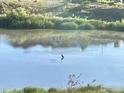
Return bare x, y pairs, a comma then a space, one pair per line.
37, 62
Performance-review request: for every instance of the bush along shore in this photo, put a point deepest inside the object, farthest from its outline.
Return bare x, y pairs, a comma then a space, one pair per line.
86, 89
50, 22
20, 19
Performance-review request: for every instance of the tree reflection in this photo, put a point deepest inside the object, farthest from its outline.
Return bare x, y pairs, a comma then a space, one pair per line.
27, 39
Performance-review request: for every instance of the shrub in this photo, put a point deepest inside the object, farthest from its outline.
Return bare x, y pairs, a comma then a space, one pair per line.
98, 24
30, 90
115, 26
68, 26
18, 13
86, 26
48, 24
33, 90
52, 90
36, 23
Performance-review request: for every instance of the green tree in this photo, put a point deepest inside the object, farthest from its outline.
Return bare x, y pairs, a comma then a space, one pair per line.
18, 13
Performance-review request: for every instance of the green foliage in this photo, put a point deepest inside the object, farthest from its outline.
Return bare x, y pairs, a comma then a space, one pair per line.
30, 90
98, 24
54, 90
18, 13
52, 22
85, 89
68, 26
33, 90
115, 26
86, 26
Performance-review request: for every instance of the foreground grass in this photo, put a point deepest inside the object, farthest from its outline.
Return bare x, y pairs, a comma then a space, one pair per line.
53, 22
85, 89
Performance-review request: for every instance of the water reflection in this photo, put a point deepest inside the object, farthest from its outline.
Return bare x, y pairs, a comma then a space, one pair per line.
27, 39
34, 58
117, 43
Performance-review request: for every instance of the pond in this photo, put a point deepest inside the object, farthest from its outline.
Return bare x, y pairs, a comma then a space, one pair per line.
33, 58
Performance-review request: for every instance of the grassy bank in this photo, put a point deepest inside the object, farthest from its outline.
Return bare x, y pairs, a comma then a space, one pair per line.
62, 14
87, 89
53, 22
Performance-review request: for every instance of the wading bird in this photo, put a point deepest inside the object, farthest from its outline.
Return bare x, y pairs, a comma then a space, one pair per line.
62, 57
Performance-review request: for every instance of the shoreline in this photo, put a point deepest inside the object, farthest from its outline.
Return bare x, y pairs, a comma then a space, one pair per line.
59, 23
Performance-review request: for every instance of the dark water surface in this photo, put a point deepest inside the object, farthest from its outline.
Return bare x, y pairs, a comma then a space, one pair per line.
37, 62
